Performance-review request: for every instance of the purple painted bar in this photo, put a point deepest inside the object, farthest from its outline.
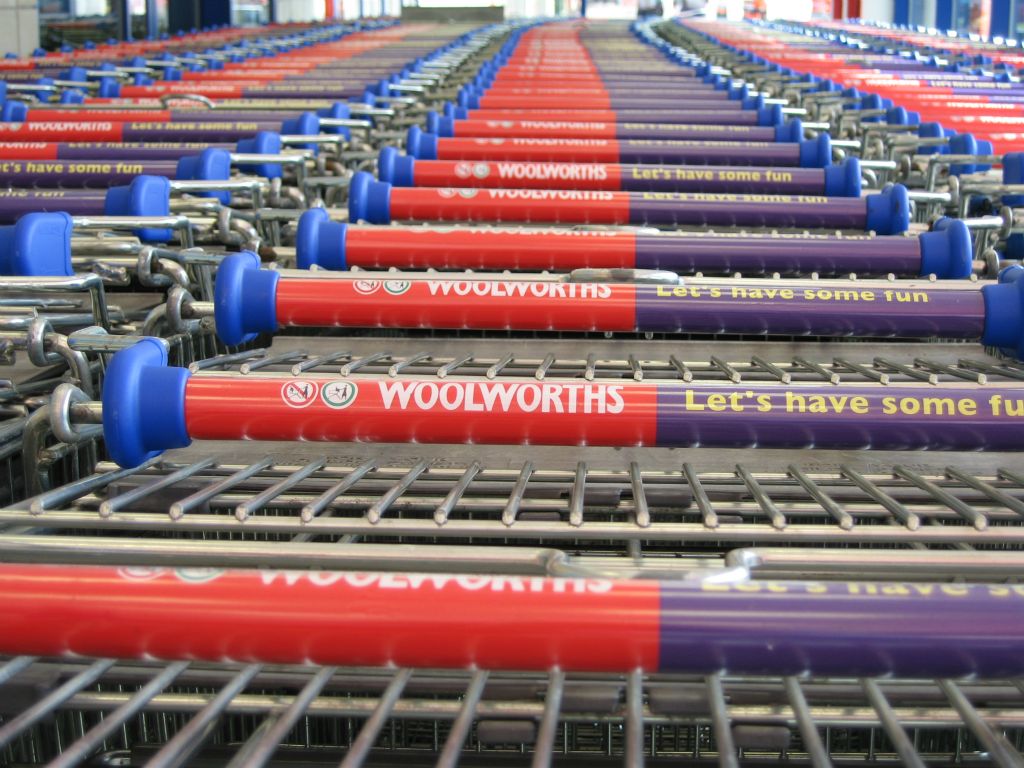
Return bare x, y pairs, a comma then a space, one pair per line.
961, 91
195, 132
641, 90
691, 117
844, 629
303, 92
637, 102
694, 131
803, 253
889, 418
708, 153
678, 178
704, 116
784, 309
15, 203
697, 208
234, 115
137, 151
52, 174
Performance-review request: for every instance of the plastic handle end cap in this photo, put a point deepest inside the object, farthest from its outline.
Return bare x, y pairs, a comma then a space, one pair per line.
245, 299
143, 404
320, 241
888, 212
946, 251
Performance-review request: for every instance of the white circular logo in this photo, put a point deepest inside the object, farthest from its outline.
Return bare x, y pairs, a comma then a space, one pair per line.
468, 193
481, 170
366, 287
140, 573
445, 192
463, 170
397, 287
198, 575
299, 393
339, 394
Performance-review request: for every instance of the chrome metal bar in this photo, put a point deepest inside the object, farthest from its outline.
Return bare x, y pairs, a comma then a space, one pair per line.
999, 748
449, 756
892, 725
367, 737
634, 757
182, 747
813, 744
99, 733
720, 724
265, 741
45, 706
544, 745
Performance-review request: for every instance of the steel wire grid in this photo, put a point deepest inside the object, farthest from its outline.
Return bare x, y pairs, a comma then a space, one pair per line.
660, 515
293, 504
105, 712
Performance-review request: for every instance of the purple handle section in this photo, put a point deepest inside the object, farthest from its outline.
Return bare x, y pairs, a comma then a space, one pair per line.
219, 131
236, 116
702, 102
48, 174
134, 152
304, 92
15, 203
1012, 93
694, 131
753, 254
823, 310
687, 116
842, 629
708, 153
668, 178
667, 208
841, 417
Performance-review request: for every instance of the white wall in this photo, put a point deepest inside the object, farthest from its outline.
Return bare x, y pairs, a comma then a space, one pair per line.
728, 9
299, 10
877, 10
520, 9
792, 10
19, 26
927, 12
89, 8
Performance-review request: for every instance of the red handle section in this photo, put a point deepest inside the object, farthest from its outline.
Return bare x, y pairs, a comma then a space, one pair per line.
518, 205
316, 617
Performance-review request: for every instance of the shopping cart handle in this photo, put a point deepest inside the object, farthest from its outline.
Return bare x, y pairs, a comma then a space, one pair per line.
39, 245
145, 196
1013, 173
143, 404
947, 251
339, 110
1004, 312
420, 144
245, 298
885, 213
966, 144
397, 169
840, 180
261, 143
212, 164
306, 124
888, 212
370, 200
320, 241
